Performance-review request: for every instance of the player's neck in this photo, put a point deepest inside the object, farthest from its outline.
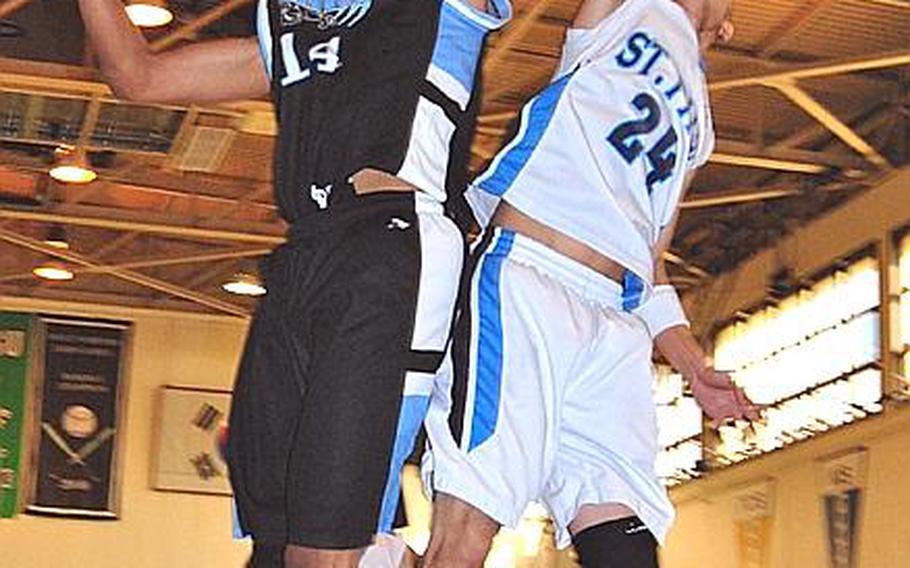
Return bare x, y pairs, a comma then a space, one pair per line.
695, 9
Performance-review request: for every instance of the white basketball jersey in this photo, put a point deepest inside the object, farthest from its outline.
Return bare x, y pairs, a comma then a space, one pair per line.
602, 153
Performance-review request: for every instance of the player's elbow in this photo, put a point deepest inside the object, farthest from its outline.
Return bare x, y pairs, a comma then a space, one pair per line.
128, 89
136, 83
126, 83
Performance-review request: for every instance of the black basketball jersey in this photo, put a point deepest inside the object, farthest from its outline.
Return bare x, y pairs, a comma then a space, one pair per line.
384, 84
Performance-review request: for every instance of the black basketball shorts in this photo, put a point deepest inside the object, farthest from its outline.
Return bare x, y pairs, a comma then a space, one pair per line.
337, 372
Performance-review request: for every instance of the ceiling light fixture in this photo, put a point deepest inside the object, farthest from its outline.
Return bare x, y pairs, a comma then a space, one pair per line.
53, 270
56, 237
149, 13
72, 167
244, 284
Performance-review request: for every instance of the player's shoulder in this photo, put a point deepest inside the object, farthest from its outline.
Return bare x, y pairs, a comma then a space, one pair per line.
496, 14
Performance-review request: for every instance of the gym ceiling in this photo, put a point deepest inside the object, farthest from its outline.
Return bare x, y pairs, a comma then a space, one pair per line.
811, 103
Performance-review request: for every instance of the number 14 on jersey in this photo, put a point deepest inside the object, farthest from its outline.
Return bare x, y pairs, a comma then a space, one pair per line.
323, 58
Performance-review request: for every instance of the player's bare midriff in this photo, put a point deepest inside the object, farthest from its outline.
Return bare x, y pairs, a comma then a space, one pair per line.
508, 217
370, 180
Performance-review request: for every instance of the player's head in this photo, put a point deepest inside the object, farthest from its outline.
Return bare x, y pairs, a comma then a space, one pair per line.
711, 19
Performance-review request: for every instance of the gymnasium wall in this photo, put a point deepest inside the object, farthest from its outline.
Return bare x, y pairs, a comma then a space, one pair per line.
156, 529
864, 220
706, 532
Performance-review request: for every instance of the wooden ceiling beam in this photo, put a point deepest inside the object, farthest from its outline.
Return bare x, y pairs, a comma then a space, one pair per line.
124, 274
185, 227
812, 71
101, 268
189, 30
825, 117
753, 194
161, 183
903, 4
790, 25
52, 298
211, 273
784, 159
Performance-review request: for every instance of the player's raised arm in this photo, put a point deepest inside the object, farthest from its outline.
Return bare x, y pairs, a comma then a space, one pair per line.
213, 71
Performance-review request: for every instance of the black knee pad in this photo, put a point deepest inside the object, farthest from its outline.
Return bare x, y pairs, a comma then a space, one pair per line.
626, 543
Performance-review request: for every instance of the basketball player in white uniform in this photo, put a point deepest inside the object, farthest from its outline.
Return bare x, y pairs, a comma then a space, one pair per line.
550, 392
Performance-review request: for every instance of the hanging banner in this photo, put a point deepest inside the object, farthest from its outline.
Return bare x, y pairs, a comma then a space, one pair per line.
845, 479
78, 419
753, 513
14, 364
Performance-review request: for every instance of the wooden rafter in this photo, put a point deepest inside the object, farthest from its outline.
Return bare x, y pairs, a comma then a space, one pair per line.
189, 29
790, 25
124, 274
172, 225
824, 116
101, 268
811, 71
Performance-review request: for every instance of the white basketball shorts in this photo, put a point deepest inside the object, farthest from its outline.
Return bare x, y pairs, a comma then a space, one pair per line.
547, 393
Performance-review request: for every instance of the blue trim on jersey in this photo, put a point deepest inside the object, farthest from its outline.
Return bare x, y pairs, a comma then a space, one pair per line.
459, 42
500, 16
507, 166
264, 33
489, 348
633, 288
237, 530
413, 411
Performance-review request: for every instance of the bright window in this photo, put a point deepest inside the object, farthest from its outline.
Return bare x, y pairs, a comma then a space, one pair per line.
679, 422
812, 357
905, 302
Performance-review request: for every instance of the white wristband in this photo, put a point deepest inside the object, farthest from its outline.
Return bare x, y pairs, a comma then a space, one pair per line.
662, 310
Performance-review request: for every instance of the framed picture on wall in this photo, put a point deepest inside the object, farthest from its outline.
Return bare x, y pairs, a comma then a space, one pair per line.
192, 430
78, 418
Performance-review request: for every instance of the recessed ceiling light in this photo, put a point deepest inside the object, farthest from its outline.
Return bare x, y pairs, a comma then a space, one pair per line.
245, 284
53, 270
72, 167
73, 174
56, 237
149, 14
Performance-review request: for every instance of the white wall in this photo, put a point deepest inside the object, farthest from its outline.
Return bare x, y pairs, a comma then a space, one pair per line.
156, 529
861, 221
705, 533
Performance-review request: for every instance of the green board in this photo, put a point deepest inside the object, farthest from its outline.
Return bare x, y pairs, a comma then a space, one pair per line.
15, 342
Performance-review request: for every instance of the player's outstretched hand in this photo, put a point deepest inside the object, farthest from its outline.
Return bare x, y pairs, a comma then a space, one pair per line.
720, 398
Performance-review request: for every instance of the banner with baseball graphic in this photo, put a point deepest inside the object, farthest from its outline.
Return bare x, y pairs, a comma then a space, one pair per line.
844, 481
15, 339
78, 419
753, 514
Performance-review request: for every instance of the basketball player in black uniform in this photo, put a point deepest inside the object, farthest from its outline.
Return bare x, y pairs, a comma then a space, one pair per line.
372, 98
